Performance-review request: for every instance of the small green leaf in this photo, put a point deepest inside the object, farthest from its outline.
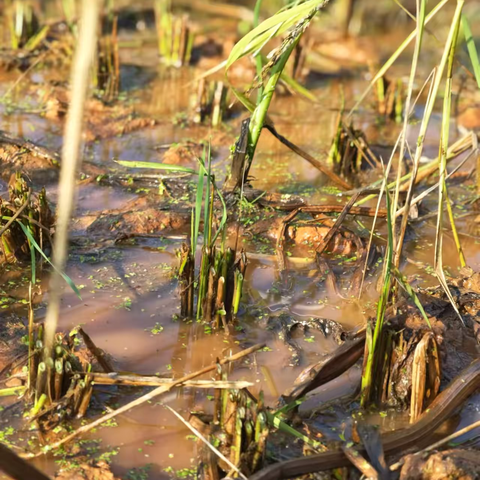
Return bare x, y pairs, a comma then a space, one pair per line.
472, 51
156, 166
411, 293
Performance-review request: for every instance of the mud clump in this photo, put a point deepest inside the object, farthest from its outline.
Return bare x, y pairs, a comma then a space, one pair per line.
183, 154
99, 471
103, 120
24, 215
34, 161
450, 464
139, 217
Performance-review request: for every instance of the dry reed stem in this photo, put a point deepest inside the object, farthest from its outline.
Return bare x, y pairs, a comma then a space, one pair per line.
153, 381
71, 158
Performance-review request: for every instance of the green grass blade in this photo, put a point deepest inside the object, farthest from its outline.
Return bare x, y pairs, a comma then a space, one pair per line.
421, 8
10, 391
411, 293
258, 58
274, 421
256, 39
211, 179
206, 160
67, 279
156, 166
444, 138
368, 372
33, 263
472, 51
35, 41
198, 209
297, 87
223, 221
279, 23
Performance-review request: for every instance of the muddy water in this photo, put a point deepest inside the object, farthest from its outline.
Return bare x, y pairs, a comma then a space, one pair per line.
130, 300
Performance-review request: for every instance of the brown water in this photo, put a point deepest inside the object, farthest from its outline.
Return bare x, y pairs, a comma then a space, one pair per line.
128, 291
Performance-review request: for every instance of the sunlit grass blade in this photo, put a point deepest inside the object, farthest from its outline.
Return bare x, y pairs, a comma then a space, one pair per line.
456, 237
411, 293
421, 7
197, 212
258, 58
207, 227
279, 23
156, 166
442, 186
472, 51
33, 263
39, 250
276, 422
211, 179
35, 41
297, 87
372, 356
257, 38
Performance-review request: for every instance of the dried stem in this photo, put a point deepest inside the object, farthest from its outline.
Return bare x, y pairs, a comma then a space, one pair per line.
71, 159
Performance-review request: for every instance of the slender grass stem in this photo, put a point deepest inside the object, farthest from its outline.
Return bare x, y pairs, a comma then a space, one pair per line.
421, 7
71, 159
260, 113
258, 58
449, 56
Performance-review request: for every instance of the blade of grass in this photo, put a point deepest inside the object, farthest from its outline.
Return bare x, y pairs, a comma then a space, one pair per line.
259, 36
274, 69
197, 212
421, 7
372, 356
382, 191
276, 422
35, 246
297, 87
279, 23
442, 188
207, 228
472, 51
411, 293
447, 57
156, 166
258, 58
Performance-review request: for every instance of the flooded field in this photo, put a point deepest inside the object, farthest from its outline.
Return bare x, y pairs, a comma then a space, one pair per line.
129, 224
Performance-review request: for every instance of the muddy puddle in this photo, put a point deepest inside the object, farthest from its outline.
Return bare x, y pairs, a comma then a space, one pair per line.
130, 302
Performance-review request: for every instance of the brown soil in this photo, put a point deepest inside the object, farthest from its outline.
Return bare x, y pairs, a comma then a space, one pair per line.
31, 163
102, 120
98, 471
452, 464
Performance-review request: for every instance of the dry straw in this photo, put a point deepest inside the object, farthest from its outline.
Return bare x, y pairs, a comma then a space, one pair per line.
71, 158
